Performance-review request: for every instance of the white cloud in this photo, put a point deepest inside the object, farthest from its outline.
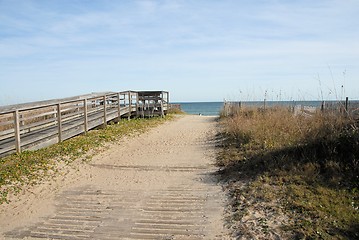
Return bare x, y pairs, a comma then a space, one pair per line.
229, 44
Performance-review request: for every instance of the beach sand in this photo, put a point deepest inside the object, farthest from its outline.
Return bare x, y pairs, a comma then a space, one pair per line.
158, 185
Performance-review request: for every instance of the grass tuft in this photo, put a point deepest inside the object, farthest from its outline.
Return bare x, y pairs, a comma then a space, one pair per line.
175, 111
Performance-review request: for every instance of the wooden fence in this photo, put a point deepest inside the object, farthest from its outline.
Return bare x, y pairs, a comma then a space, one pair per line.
36, 125
347, 108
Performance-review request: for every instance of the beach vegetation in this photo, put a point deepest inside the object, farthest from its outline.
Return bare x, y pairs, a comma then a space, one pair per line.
291, 175
175, 110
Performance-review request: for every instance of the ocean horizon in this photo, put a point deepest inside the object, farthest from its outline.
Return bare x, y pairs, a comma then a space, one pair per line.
214, 108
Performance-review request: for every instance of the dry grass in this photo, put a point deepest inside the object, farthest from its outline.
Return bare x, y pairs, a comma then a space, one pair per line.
303, 169
175, 111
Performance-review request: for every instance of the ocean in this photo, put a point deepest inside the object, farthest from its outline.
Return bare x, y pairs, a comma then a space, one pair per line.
203, 108
214, 108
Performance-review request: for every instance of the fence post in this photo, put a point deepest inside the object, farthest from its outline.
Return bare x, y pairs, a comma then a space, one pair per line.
17, 131
239, 108
59, 123
265, 99
104, 111
346, 104
264, 104
162, 111
86, 127
168, 100
119, 106
137, 104
129, 105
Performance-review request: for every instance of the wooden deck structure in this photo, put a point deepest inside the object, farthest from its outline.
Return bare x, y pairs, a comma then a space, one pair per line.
151, 103
36, 125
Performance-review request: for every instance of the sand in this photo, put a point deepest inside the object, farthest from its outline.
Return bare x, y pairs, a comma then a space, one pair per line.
158, 185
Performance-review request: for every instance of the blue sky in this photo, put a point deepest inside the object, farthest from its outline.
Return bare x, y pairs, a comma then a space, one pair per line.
199, 50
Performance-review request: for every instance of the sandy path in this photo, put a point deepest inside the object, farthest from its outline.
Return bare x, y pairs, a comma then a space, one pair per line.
154, 186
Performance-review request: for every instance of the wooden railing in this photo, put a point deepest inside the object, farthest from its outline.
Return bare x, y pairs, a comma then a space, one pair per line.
37, 125
343, 108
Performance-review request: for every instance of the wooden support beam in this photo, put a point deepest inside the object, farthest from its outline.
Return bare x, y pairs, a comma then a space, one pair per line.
162, 111
104, 111
137, 104
59, 122
17, 131
119, 106
86, 127
129, 105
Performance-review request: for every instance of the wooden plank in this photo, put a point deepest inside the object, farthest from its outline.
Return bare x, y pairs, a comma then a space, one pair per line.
7, 150
118, 107
59, 122
42, 144
95, 110
70, 127
86, 127
52, 102
39, 137
70, 117
110, 112
17, 131
129, 105
162, 111
73, 133
104, 111
73, 117
7, 134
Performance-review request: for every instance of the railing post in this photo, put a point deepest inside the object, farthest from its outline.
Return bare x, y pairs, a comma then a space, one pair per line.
129, 105
162, 111
17, 131
137, 104
59, 122
168, 100
119, 106
104, 111
86, 127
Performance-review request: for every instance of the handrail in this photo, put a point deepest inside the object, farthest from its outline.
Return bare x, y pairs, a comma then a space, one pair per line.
56, 101
27, 126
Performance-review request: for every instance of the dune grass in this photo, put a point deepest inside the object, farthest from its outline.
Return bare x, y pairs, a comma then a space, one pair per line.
176, 111
30, 167
299, 172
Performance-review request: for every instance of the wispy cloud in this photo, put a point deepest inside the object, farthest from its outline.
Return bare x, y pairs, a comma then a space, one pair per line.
230, 44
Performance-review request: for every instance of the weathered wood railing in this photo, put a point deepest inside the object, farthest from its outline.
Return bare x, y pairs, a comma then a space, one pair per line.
33, 126
346, 108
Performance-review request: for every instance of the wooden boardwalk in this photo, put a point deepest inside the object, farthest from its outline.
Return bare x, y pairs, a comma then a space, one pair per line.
36, 125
